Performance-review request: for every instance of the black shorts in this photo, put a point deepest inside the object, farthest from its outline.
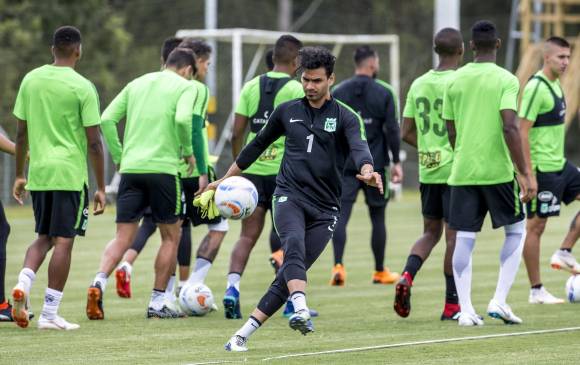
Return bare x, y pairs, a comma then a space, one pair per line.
469, 205
161, 192
554, 188
265, 185
191, 213
61, 213
373, 198
435, 201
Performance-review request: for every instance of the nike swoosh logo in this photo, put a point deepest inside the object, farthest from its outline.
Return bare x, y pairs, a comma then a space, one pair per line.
295, 120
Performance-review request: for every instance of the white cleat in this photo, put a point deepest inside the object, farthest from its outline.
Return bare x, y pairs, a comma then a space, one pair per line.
57, 323
542, 296
564, 260
503, 312
469, 320
237, 344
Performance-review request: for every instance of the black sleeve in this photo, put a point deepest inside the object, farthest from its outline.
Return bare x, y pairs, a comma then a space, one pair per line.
273, 130
354, 131
391, 128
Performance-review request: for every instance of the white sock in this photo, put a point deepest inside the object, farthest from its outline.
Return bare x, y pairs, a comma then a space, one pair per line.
51, 302
510, 257
298, 298
169, 290
26, 279
234, 280
462, 266
182, 283
156, 300
101, 279
249, 327
200, 271
127, 266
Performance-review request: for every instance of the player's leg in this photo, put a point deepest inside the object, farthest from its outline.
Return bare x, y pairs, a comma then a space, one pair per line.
125, 269
277, 255
184, 251
5, 307
467, 210
251, 230
350, 187
563, 258
452, 309
208, 250
546, 204
506, 211
132, 200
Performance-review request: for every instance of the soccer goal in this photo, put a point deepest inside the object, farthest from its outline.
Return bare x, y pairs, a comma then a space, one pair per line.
261, 39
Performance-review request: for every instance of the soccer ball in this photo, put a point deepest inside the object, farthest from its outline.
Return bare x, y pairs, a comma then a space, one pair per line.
573, 289
236, 197
196, 299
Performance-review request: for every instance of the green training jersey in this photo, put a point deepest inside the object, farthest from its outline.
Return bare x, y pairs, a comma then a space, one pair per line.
269, 161
425, 104
474, 96
546, 141
57, 104
199, 116
158, 107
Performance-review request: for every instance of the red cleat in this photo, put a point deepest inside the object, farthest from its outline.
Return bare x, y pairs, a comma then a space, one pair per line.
123, 283
403, 295
451, 312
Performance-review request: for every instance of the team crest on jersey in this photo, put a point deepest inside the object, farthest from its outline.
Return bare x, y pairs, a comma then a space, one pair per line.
330, 125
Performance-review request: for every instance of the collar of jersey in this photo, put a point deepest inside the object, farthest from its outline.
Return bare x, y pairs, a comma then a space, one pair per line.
277, 74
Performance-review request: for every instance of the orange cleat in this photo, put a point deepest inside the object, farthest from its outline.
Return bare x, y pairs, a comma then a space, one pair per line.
95, 303
19, 310
385, 277
276, 259
338, 275
123, 283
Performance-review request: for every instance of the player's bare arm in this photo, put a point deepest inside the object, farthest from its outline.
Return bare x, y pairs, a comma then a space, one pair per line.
512, 138
370, 177
451, 132
96, 156
240, 124
18, 191
409, 132
525, 126
6, 145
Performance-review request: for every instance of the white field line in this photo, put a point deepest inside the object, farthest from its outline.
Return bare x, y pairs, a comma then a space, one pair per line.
419, 343
219, 362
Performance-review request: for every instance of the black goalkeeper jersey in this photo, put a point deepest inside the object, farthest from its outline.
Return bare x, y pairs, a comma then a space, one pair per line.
318, 142
375, 103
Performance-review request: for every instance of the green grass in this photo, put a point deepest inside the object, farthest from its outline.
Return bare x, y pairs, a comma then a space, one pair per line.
357, 315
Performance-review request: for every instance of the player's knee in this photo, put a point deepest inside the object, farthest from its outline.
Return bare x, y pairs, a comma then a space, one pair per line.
535, 226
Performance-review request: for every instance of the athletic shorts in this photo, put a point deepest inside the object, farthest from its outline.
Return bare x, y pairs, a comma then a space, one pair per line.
265, 185
554, 188
61, 213
469, 205
161, 192
373, 198
193, 214
435, 201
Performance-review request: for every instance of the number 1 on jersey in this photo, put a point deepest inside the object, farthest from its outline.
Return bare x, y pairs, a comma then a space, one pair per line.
310, 139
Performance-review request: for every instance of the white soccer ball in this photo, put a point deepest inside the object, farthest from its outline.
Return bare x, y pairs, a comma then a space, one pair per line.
236, 198
196, 299
573, 289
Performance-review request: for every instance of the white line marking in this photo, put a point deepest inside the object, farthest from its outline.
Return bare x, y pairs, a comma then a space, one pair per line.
219, 362
427, 342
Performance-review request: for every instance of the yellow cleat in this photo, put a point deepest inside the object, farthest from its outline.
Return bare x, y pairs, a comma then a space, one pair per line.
338, 275
385, 277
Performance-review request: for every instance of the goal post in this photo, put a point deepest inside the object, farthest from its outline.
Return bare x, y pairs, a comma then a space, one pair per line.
238, 37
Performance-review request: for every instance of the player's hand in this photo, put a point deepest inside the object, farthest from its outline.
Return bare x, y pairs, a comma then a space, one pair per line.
190, 160
372, 178
213, 185
397, 173
529, 187
100, 201
202, 184
18, 190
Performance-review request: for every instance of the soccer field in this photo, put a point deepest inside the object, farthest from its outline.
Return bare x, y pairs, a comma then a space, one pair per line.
357, 315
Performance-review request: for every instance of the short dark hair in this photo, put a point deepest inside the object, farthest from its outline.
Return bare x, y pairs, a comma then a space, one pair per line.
484, 35
286, 49
363, 53
200, 47
65, 39
180, 58
558, 41
448, 42
168, 46
268, 59
312, 58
